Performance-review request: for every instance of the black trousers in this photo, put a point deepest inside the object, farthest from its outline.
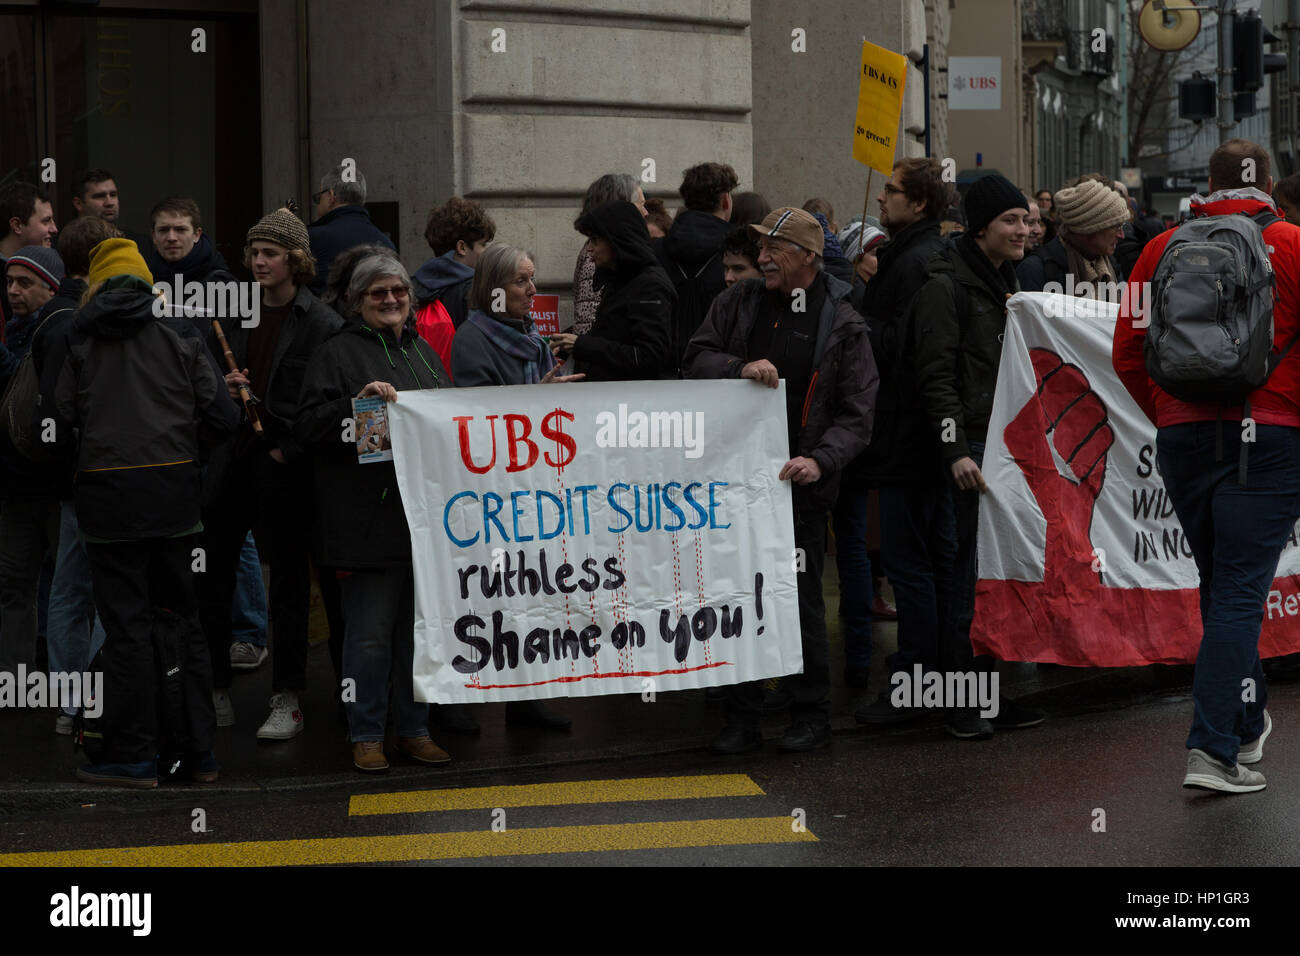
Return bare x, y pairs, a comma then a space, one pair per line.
29, 533
811, 689
131, 580
271, 500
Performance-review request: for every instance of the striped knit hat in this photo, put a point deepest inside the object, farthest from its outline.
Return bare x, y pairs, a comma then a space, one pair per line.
42, 260
283, 227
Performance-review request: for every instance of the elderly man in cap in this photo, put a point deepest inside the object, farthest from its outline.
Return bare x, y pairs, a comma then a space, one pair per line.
1081, 259
795, 323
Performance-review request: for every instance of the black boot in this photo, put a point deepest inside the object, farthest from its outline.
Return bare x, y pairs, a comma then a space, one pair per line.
532, 713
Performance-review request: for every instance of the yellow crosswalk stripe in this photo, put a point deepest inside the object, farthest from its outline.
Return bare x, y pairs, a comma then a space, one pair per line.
435, 846
557, 794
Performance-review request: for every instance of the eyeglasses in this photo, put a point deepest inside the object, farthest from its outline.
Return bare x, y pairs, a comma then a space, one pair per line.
380, 295
315, 197
892, 189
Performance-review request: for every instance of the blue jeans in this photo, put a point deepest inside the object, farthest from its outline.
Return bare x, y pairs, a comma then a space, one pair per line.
918, 547
854, 566
379, 645
248, 608
1236, 534
74, 632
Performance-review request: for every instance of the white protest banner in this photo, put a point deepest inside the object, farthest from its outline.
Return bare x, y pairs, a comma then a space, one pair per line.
1081, 557
597, 538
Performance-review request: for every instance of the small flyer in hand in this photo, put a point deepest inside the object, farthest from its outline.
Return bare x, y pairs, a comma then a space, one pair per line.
371, 418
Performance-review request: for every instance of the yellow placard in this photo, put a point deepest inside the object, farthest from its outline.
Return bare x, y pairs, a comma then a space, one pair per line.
880, 103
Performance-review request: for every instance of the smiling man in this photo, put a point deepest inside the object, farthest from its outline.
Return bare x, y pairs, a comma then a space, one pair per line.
795, 323
958, 319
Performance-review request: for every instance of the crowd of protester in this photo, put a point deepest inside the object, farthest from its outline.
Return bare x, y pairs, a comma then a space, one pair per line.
889, 358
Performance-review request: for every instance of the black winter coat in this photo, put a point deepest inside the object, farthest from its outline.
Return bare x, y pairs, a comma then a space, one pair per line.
902, 448
339, 230
838, 408
691, 255
359, 522
958, 322
149, 400
631, 338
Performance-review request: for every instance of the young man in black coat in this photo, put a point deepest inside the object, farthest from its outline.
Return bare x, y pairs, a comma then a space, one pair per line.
257, 482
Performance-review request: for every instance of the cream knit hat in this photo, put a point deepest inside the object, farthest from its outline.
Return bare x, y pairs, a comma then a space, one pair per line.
1090, 207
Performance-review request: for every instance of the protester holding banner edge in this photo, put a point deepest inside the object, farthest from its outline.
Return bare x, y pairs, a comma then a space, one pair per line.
960, 317
796, 323
360, 526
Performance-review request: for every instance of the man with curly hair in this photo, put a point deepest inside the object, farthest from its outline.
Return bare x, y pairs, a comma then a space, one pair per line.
257, 482
458, 231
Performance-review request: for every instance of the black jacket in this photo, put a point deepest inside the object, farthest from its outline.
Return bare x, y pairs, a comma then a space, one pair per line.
1051, 263
958, 321
838, 408
338, 231
148, 399
691, 255
631, 338
310, 323
902, 448
203, 264
359, 522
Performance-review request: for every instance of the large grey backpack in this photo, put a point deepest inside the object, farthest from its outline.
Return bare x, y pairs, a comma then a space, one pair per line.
1211, 332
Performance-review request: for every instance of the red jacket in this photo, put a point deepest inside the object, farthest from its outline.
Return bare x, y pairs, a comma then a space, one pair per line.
1278, 401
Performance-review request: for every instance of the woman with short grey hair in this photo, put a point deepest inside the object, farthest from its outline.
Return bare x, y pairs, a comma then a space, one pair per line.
497, 344
586, 297
360, 525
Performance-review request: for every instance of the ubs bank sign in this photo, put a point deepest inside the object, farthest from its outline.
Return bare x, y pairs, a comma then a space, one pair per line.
975, 83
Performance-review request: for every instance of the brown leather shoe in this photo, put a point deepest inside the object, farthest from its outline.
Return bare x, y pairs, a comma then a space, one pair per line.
422, 749
369, 755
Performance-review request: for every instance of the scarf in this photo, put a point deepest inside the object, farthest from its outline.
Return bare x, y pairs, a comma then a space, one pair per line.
529, 348
1000, 281
1092, 271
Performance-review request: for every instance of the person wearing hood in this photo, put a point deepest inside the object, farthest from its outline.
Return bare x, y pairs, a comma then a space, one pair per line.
132, 372
1236, 532
359, 524
959, 317
1092, 218
181, 247
586, 296
631, 338
342, 220
795, 324
501, 347
457, 231
691, 252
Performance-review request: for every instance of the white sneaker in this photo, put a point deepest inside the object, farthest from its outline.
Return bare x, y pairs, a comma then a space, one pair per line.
63, 725
246, 656
225, 709
285, 721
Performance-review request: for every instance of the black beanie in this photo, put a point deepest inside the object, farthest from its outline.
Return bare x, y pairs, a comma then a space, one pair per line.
989, 198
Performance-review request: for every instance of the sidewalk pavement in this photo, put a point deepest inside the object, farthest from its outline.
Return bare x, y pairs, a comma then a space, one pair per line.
37, 767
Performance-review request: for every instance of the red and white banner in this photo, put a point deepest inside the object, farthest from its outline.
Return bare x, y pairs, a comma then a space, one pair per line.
1082, 560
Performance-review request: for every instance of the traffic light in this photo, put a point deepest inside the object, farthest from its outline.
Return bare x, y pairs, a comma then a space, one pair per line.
1249, 61
1196, 98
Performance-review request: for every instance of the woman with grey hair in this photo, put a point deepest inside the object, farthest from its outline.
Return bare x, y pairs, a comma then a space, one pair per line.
497, 344
586, 297
361, 527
